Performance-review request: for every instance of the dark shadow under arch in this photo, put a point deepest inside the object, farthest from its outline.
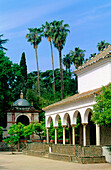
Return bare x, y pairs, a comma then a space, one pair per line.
23, 119
92, 130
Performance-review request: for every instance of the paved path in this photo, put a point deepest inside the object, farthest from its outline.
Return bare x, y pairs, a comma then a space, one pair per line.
17, 161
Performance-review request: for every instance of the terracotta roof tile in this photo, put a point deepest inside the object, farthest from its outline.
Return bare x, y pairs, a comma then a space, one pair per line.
73, 98
103, 54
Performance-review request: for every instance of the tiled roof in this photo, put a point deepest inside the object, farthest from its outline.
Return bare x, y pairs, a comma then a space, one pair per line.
73, 98
103, 54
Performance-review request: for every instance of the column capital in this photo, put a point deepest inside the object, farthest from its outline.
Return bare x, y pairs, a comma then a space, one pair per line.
98, 125
84, 124
55, 127
73, 125
64, 126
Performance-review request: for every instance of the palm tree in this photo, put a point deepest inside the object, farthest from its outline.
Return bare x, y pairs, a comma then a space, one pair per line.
34, 37
78, 56
2, 42
67, 62
49, 34
101, 45
92, 55
60, 32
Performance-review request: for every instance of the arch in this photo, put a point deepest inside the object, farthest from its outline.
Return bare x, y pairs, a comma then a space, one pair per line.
21, 115
49, 121
91, 131
74, 118
23, 119
88, 110
79, 128
56, 120
65, 119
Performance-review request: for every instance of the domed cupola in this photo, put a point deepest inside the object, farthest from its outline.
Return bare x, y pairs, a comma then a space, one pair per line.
21, 104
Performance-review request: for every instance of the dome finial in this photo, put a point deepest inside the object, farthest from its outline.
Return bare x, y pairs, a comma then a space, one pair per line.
21, 95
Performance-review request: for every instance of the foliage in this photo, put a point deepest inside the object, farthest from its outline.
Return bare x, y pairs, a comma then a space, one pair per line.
70, 86
10, 79
34, 37
33, 98
48, 33
102, 108
2, 42
78, 56
101, 45
23, 67
1, 132
17, 131
28, 130
60, 32
67, 61
39, 128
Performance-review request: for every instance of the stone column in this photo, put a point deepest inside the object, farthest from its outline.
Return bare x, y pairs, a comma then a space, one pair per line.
73, 134
47, 135
55, 135
64, 134
84, 134
97, 134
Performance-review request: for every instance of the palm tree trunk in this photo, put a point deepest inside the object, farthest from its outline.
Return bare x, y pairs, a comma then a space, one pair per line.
61, 74
52, 68
37, 71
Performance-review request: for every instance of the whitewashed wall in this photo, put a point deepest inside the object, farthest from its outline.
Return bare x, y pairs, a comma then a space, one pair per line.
94, 76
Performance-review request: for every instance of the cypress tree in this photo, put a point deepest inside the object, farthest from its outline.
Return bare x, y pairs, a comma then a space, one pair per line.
23, 67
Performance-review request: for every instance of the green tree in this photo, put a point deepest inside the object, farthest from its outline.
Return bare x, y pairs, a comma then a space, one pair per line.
101, 45
48, 33
34, 37
1, 132
92, 55
60, 32
102, 109
78, 56
33, 98
23, 67
39, 128
16, 132
28, 130
10, 78
2, 42
67, 61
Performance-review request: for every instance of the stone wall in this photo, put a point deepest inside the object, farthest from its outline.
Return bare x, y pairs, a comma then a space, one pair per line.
69, 153
38, 147
105, 136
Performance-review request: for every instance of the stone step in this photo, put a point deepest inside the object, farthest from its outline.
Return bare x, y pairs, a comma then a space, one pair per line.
91, 159
46, 156
72, 158
34, 153
62, 157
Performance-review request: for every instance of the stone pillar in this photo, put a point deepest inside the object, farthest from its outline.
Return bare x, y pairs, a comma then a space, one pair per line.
55, 135
97, 134
73, 134
84, 134
47, 135
64, 135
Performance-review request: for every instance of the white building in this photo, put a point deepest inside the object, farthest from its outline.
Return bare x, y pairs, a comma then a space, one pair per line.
92, 75
23, 112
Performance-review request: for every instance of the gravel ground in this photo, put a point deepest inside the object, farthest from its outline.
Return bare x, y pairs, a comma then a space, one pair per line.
18, 161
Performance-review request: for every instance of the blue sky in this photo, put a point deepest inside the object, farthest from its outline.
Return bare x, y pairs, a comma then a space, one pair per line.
89, 21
